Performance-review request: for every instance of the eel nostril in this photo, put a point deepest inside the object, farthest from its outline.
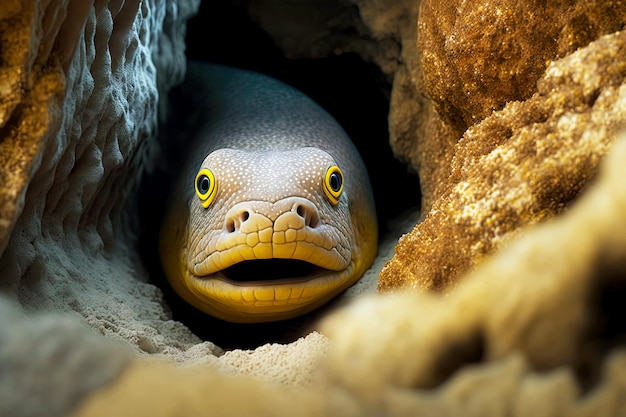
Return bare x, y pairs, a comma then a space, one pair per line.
234, 219
309, 215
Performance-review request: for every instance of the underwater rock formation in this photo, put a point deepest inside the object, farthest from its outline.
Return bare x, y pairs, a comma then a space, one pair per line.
535, 329
78, 104
513, 195
518, 166
82, 103
478, 55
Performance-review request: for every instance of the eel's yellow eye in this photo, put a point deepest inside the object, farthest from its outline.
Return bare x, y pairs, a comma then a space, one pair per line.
333, 184
206, 188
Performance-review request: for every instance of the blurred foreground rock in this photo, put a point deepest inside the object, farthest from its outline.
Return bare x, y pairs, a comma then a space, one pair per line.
536, 329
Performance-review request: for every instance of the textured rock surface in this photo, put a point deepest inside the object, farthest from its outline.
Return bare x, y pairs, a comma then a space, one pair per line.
39, 111
518, 166
79, 96
75, 126
535, 330
539, 323
479, 55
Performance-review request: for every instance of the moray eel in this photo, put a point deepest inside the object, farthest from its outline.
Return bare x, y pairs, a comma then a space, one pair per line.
273, 215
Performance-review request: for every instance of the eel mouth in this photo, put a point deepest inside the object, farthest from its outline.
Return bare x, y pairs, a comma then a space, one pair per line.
265, 289
271, 272
270, 261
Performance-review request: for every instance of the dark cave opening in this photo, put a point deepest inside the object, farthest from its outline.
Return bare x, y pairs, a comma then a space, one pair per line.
356, 93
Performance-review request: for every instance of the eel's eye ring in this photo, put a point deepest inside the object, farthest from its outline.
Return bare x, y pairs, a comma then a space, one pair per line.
333, 184
206, 188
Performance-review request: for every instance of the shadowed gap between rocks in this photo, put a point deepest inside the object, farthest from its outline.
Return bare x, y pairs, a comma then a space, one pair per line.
606, 329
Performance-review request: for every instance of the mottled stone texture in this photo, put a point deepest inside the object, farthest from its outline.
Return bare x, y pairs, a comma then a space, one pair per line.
478, 55
518, 166
31, 91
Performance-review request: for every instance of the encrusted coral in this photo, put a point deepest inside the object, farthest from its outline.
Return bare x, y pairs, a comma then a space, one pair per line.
518, 166
478, 55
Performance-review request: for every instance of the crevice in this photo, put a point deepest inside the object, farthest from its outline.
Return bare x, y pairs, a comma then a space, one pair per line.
456, 356
356, 93
606, 327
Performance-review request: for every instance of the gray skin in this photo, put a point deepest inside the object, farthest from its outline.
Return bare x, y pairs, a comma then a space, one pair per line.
259, 136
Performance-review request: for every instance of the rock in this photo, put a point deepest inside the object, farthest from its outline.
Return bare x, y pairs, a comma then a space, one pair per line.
522, 164
44, 355
476, 56
78, 105
76, 124
536, 328
510, 173
479, 55
25, 119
